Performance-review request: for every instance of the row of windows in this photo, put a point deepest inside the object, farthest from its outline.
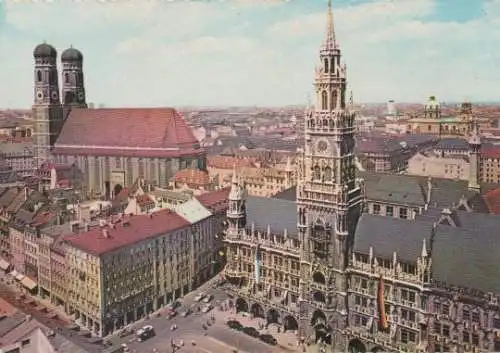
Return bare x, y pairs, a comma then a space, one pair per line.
389, 211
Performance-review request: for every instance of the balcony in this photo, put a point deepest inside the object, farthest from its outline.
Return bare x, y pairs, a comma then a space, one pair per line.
408, 323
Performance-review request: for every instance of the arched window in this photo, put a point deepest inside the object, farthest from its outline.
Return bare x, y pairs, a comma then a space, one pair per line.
66, 77
328, 174
334, 99
39, 76
317, 173
324, 100
327, 68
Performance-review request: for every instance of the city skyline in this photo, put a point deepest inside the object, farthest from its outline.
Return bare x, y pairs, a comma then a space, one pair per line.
182, 54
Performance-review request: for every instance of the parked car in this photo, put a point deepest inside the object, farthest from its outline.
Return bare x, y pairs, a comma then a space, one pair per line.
145, 332
186, 312
269, 339
235, 325
199, 297
251, 331
207, 308
208, 298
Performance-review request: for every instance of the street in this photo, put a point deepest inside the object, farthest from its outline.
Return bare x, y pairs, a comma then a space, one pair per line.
217, 338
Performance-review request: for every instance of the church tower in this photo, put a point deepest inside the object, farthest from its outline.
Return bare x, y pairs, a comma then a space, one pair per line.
328, 196
73, 87
47, 112
474, 157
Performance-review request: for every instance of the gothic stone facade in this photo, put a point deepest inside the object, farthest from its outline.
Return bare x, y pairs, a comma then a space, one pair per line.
422, 282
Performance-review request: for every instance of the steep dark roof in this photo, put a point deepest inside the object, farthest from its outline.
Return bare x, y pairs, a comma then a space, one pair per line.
467, 255
387, 235
452, 144
412, 190
275, 213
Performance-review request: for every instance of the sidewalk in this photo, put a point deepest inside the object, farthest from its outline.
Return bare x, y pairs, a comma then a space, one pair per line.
286, 340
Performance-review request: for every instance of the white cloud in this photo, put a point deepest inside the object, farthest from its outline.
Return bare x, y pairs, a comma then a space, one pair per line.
209, 53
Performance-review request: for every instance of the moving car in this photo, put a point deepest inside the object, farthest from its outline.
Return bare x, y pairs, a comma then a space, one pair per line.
208, 298
251, 331
145, 332
235, 325
269, 339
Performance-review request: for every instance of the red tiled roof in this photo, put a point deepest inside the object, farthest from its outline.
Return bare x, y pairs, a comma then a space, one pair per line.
147, 128
214, 198
144, 200
490, 152
492, 199
43, 218
139, 228
111, 152
192, 177
228, 162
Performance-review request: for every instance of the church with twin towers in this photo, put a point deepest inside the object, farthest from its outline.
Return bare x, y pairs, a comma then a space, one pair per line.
111, 148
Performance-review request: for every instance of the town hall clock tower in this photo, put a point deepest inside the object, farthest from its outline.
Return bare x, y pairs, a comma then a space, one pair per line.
328, 198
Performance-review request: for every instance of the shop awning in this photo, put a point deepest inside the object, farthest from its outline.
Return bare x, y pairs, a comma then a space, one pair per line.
28, 283
4, 264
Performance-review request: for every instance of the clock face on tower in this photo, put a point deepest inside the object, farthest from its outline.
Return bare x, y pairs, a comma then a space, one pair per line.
322, 146
39, 94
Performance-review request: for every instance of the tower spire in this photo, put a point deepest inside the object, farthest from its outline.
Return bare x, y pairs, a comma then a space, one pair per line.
330, 40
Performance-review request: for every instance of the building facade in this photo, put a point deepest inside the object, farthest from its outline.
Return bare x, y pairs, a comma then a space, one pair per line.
129, 266
416, 272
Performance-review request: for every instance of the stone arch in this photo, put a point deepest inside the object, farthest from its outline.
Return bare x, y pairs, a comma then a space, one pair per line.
319, 297
334, 99
290, 323
328, 174
318, 317
241, 305
273, 316
117, 189
324, 100
257, 310
66, 77
318, 277
356, 346
317, 173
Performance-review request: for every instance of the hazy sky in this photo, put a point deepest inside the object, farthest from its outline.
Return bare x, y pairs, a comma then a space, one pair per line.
255, 52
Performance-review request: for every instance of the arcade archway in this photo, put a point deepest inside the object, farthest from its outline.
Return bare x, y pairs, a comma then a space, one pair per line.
257, 310
318, 277
356, 346
241, 305
273, 316
322, 331
290, 323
